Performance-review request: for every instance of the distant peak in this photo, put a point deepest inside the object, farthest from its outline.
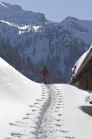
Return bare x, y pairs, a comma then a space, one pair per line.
69, 18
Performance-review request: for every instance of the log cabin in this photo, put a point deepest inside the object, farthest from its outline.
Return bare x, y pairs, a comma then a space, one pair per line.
82, 71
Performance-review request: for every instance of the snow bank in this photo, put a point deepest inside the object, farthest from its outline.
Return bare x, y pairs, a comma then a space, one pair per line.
88, 98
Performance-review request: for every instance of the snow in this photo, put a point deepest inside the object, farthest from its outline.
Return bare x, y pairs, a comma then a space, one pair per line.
29, 110
21, 103
80, 60
15, 14
67, 115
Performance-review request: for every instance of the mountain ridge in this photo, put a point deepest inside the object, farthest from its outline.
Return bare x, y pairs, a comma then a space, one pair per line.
57, 45
12, 12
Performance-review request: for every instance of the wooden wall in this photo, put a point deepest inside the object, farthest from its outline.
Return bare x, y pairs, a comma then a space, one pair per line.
86, 81
90, 80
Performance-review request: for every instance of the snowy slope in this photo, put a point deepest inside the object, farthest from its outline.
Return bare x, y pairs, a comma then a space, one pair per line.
21, 104
29, 110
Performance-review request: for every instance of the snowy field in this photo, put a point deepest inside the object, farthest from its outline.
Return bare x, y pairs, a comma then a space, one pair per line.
29, 110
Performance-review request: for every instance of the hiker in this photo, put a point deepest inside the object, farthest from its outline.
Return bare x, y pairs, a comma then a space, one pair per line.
44, 73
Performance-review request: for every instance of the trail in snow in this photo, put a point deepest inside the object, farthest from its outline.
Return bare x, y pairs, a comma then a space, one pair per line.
53, 126
27, 127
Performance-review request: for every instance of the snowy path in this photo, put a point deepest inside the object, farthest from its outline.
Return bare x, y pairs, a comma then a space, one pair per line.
52, 126
27, 126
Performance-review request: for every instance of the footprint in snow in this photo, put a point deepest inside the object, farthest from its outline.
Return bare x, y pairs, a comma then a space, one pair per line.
16, 135
57, 107
13, 124
8, 138
55, 111
36, 103
23, 123
69, 137
64, 131
28, 114
32, 106
59, 114
60, 101
25, 118
58, 120
58, 125
60, 98
19, 122
43, 91
59, 104
58, 91
43, 95
38, 100
33, 110
43, 98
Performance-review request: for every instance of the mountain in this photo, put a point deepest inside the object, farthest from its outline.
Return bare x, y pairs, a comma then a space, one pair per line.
17, 16
78, 28
56, 45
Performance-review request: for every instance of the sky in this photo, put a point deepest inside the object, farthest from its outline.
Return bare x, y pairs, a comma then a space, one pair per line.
57, 10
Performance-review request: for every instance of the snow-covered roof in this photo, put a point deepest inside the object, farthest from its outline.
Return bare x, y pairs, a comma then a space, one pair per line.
81, 63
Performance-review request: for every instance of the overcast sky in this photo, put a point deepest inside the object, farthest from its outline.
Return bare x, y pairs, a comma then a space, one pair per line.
57, 10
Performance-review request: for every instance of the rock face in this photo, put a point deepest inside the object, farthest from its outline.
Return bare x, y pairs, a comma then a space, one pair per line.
57, 45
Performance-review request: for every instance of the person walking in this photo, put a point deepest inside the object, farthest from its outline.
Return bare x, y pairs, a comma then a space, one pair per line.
45, 73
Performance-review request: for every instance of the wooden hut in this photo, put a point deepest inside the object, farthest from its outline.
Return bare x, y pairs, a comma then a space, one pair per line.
82, 71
